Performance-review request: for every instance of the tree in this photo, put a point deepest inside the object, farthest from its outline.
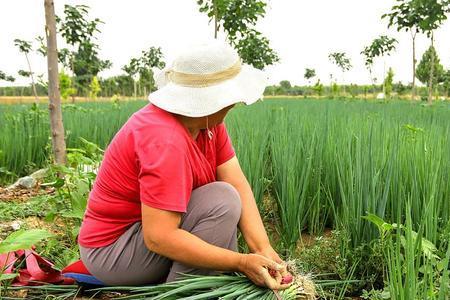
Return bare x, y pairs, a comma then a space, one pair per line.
132, 70
334, 90
65, 86
24, 73
429, 66
152, 58
254, 49
341, 60
87, 64
56, 122
79, 32
234, 16
238, 18
318, 88
433, 13
94, 88
379, 47
215, 10
406, 17
446, 83
122, 85
286, 86
309, 74
25, 48
388, 83
5, 77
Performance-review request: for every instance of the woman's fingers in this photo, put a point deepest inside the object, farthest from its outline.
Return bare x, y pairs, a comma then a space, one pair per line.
257, 269
272, 264
285, 286
270, 282
283, 270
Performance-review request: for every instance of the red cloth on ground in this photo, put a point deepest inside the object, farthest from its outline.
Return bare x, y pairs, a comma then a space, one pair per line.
31, 269
153, 159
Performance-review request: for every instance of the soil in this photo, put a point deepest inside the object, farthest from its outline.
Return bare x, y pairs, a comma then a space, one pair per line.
23, 195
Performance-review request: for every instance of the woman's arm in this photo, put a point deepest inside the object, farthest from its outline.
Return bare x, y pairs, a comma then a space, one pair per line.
162, 235
250, 223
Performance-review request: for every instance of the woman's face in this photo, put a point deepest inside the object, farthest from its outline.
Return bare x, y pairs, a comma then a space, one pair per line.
218, 117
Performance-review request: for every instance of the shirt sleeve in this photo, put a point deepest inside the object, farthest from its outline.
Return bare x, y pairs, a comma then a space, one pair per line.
224, 148
165, 177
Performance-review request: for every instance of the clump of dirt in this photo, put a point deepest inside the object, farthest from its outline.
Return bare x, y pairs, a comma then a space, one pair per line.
17, 294
57, 226
307, 240
23, 195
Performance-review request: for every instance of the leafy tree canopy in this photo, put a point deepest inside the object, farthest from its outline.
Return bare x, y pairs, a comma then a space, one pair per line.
24, 73
341, 60
309, 73
5, 77
238, 18
24, 46
79, 32
424, 67
379, 47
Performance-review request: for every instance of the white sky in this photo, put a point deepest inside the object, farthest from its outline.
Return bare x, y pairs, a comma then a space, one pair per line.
302, 32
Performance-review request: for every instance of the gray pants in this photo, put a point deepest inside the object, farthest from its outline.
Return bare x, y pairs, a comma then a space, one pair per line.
213, 213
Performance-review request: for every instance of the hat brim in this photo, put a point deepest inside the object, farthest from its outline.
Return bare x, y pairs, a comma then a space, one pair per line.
248, 87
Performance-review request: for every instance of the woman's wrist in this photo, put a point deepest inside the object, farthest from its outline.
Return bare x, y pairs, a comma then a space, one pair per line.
270, 253
240, 262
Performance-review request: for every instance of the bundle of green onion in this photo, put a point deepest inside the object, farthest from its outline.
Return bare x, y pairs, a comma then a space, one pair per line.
190, 287
226, 287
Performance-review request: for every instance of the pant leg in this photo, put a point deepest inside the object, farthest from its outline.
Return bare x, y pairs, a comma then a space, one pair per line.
127, 261
212, 214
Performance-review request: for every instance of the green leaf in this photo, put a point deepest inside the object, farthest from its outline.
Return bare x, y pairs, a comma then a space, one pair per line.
50, 217
379, 222
387, 227
59, 182
4, 277
428, 248
23, 239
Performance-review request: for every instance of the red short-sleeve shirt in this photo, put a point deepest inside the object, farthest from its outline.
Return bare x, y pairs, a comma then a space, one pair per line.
154, 160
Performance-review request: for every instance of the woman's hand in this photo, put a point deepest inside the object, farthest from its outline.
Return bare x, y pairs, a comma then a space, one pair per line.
271, 254
256, 268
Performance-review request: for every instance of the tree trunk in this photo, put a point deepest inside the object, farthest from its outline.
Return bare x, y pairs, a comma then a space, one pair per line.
72, 65
135, 89
36, 99
373, 84
413, 92
384, 79
430, 81
56, 122
216, 29
343, 83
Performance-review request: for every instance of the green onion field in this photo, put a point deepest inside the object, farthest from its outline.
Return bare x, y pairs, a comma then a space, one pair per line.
357, 192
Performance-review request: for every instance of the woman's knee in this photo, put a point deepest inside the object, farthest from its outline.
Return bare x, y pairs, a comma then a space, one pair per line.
221, 197
231, 198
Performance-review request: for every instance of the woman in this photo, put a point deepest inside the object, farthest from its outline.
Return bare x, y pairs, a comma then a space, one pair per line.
170, 193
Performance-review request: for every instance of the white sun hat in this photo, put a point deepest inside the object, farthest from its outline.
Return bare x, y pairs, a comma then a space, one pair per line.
205, 78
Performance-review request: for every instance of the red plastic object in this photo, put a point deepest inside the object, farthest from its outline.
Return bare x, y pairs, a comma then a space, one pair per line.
32, 269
